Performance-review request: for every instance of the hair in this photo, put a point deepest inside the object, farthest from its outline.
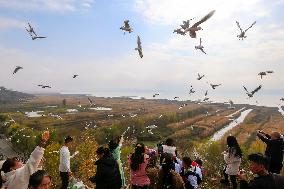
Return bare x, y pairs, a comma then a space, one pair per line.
260, 159
68, 139
167, 164
169, 142
187, 161
276, 134
234, 148
113, 144
37, 177
104, 151
137, 157
199, 161
6, 167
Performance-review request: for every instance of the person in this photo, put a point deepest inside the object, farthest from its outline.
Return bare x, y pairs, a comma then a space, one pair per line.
115, 149
232, 157
138, 162
191, 175
152, 171
168, 178
64, 164
169, 147
107, 174
16, 173
40, 180
274, 150
259, 164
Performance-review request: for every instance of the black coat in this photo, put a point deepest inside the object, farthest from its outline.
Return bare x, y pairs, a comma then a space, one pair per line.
274, 148
107, 175
271, 181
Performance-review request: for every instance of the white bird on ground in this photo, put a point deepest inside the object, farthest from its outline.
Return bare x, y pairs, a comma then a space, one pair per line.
195, 27
139, 47
242, 35
200, 47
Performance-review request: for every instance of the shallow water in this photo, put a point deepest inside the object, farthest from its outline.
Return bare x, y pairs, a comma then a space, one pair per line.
219, 134
101, 109
34, 114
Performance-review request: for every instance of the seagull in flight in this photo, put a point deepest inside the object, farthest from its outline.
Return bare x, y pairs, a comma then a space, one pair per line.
250, 94
195, 27
31, 30
242, 35
191, 91
261, 74
74, 76
17, 69
32, 33
156, 94
126, 27
91, 102
200, 76
200, 47
176, 97
186, 24
282, 99
44, 86
139, 47
205, 96
214, 86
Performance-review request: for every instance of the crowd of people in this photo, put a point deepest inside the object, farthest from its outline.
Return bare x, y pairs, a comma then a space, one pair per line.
159, 168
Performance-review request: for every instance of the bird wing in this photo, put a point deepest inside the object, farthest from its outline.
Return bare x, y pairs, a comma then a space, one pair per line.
39, 37
140, 53
204, 19
245, 89
139, 42
200, 41
206, 93
250, 26
31, 28
91, 102
257, 89
185, 24
126, 24
238, 24
203, 51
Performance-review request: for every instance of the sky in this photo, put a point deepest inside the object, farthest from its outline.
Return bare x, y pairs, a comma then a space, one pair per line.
83, 37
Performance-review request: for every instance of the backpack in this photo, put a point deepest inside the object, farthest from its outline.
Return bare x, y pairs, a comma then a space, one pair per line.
185, 177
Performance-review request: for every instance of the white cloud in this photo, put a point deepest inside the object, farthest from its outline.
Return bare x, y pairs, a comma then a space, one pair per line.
47, 5
10, 23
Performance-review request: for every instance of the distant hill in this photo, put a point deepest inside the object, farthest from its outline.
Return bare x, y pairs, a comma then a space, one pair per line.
8, 96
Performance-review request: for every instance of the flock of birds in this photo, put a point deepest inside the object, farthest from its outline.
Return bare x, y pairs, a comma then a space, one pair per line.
185, 28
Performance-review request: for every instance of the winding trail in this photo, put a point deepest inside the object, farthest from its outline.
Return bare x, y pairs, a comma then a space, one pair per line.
219, 134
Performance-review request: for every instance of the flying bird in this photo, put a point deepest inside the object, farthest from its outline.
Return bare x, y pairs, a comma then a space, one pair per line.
176, 97
261, 74
282, 99
91, 102
200, 76
214, 86
126, 27
31, 30
205, 96
200, 47
242, 35
195, 27
17, 69
44, 86
139, 47
74, 76
191, 91
250, 94
156, 94
186, 24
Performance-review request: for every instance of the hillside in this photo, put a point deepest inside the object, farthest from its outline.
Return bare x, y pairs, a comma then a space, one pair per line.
10, 97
